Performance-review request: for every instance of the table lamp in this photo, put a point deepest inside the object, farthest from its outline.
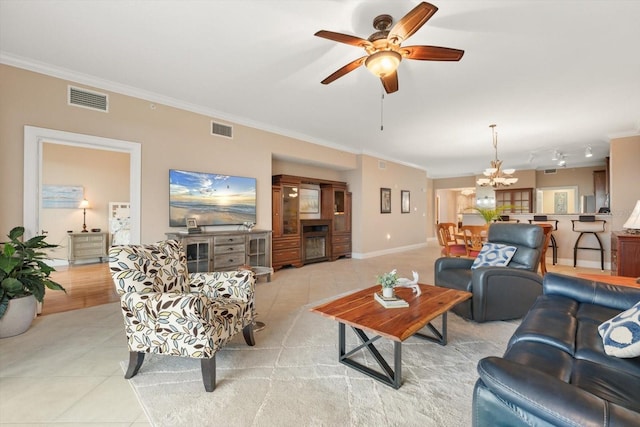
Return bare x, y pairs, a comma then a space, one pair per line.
84, 205
633, 223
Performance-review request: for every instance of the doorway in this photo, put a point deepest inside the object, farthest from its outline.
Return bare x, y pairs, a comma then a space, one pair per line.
35, 138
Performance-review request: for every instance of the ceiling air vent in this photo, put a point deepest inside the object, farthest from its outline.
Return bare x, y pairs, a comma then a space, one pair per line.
221, 130
550, 171
88, 99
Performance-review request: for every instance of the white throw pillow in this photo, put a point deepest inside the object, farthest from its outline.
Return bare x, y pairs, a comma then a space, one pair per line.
621, 334
494, 255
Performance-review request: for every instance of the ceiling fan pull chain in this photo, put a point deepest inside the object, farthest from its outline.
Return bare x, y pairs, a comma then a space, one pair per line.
382, 112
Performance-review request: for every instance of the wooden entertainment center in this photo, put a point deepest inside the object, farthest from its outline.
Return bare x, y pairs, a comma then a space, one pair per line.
311, 220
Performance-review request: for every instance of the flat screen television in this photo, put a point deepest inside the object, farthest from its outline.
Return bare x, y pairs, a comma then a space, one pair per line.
211, 199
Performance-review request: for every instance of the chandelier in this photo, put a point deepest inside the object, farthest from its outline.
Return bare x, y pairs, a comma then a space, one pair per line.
495, 175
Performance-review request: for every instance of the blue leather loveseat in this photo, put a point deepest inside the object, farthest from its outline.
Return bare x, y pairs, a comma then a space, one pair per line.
555, 371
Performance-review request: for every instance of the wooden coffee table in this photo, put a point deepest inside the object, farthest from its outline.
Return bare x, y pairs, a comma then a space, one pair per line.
363, 313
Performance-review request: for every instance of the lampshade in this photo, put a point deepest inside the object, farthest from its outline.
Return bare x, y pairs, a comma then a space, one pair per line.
84, 204
633, 223
383, 63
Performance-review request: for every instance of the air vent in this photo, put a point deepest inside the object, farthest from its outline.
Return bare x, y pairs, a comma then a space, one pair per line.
221, 130
88, 99
550, 171
382, 164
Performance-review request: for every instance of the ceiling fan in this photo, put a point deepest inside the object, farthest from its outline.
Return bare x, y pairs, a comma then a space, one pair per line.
384, 50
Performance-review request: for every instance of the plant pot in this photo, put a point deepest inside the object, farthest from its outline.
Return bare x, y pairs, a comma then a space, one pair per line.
387, 292
18, 317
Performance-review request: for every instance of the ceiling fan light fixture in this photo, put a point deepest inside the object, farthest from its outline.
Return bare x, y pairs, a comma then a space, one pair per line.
383, 63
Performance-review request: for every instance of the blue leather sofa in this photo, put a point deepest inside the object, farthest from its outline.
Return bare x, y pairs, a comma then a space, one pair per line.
555, 371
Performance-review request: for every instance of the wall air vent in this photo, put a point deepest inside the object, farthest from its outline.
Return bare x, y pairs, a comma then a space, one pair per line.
220, 129
382, 164
88, 99
550, 171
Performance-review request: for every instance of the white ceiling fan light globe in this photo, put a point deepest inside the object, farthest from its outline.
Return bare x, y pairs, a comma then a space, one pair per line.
383, 63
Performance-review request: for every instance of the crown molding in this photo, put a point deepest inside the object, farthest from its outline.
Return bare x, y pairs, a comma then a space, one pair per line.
103, 84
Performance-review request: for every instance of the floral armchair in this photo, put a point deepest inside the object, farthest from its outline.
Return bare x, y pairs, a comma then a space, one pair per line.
169, 311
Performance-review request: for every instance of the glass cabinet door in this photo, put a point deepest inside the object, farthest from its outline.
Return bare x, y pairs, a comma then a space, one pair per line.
339, 217
197, 256
290, 209
257, 254
515, 201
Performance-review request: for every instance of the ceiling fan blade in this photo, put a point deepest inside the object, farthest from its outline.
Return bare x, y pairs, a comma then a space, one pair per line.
431, 53
412, 22
390, 82
343, 38
344, 70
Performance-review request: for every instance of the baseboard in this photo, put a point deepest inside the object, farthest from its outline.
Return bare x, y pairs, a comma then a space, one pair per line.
356, 255
56, 262
581, 263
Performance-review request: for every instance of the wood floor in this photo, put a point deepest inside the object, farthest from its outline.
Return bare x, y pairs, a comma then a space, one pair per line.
86, 285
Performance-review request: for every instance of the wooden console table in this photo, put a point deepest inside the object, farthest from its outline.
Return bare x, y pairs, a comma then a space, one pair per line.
87, 246
625, 254
226, 250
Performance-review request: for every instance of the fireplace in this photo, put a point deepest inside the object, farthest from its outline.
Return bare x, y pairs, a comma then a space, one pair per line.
316, 240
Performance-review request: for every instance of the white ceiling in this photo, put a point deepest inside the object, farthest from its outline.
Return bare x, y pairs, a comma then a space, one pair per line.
551, 74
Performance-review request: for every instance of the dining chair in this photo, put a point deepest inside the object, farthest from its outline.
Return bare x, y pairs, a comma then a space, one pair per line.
548, 228
448, 241
473, 237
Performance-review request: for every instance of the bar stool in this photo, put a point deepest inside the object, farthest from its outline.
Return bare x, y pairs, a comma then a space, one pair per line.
588, 224
542, 219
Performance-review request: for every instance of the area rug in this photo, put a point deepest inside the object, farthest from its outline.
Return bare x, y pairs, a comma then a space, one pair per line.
291, 377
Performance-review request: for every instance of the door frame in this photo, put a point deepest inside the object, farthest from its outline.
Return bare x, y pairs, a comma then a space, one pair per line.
35, 137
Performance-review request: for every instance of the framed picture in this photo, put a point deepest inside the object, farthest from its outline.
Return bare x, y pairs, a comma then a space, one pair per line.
385, 200
191, 223
62, 196
405, 201
309, 201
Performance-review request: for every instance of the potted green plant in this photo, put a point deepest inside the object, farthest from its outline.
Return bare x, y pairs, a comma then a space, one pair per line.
489, 214
23, 278
388, 281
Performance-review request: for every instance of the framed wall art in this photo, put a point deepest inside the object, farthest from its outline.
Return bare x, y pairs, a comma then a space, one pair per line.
62, 196
385, 200
405, 201
309, 201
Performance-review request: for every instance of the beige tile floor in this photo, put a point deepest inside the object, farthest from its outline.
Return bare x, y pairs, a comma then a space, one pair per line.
65, 371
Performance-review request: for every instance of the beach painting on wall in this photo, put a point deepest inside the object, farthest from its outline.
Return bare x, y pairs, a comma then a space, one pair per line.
212, 199
62, 196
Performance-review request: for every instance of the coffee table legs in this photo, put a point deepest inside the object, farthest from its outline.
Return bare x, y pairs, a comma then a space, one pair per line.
437, 337
388, 376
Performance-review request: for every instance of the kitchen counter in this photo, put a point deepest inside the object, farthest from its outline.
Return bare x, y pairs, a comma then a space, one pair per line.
566, 238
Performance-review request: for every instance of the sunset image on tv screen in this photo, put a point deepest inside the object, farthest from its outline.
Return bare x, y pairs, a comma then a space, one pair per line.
211, 199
